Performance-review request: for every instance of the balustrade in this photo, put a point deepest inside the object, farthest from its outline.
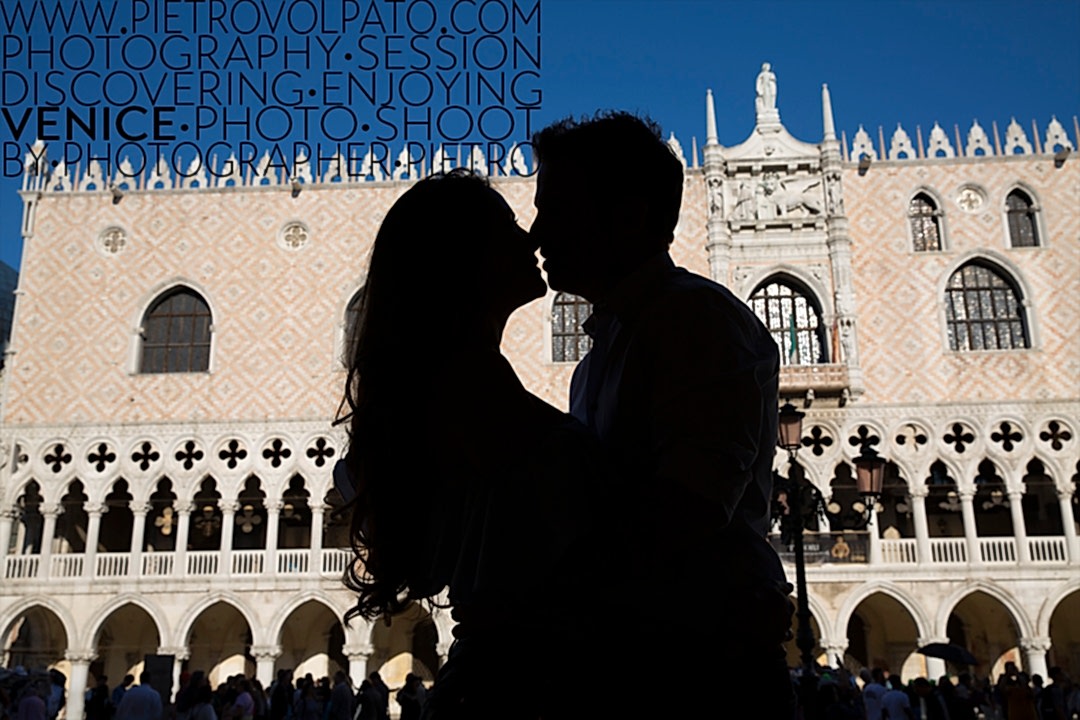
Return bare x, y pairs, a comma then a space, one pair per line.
948, 550
997, 550
332, 562
898, 552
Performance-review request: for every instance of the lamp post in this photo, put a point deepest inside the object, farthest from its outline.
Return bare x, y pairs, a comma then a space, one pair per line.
804, 499
801, 496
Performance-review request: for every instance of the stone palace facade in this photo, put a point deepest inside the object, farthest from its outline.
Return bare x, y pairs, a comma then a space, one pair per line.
176, 360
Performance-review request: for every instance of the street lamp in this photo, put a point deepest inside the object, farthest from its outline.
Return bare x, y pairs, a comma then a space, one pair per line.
869, 476
791, 527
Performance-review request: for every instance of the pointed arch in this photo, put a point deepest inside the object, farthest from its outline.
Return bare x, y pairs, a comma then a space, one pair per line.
923, 622
1022, 218
175, 332
985, 308
1016, 611
792, 313
926, 221
97, 622
183, 628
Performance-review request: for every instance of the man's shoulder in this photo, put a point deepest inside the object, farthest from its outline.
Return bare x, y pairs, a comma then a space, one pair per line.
687, 302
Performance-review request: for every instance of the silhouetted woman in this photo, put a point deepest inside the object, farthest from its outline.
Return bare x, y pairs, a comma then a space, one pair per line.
463, 479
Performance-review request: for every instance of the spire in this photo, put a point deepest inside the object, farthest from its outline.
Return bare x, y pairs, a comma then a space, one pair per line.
693, 151
710, 120
826, 111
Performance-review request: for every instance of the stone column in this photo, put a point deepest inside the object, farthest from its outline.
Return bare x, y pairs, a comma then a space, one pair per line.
183, 508
442, 649
265, 656
1069, 522
183, 528
967, 509
7, 518
1035, 649
834, 651
922, 528
180, 654
935, 667
273, 512
873, 538
138, 531
317, 509
228, 522
94, 511
50, 511
76, 690
358, 661
1016, 507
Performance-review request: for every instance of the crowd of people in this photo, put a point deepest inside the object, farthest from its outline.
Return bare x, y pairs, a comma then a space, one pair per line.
40, 696
874, 695
880, 696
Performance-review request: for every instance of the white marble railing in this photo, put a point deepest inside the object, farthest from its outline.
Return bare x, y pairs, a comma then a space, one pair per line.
1048, 549
997, 550
332, 563
114, 564
948, 550
898, 552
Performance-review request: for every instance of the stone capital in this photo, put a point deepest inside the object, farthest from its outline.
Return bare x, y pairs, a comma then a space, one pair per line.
183, 507
180, 653
927, 640
9, 514
265, 652
358, 652
966, 493
51, 509
442, 648
141, 507
919, 492
229, 506
95, 509
1036, 644
274, 505
84, 657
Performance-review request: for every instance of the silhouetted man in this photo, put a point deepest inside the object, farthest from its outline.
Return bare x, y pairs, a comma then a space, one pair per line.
681, 388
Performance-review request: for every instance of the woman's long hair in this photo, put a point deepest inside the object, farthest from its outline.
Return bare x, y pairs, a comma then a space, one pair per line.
423, 271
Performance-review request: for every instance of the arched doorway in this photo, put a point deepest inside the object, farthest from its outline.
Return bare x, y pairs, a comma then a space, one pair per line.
405, 645
982, 624
219, 643
881, 634
122, 642
311, 640
35, 640
1065, 635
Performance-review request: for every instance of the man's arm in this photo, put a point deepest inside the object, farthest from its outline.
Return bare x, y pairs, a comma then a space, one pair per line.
713, 391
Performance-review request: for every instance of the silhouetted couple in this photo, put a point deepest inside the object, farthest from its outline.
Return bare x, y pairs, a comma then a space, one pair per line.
607, 562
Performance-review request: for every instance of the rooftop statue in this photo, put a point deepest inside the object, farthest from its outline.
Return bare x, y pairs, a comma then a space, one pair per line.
766, 90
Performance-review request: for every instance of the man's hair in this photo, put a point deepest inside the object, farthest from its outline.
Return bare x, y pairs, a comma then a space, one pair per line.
633, 164
145, 678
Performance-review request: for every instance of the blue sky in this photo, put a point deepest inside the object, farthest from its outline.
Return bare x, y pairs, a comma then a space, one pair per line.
885, 61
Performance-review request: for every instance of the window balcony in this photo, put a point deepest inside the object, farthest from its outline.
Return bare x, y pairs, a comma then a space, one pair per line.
825, 379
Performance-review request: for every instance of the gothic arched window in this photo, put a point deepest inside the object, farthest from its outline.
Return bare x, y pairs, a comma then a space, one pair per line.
176, 333
1021, 214
793, 318
925, 219
569, 343
984, 310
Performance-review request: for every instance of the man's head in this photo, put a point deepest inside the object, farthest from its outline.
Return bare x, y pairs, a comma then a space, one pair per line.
145, 678
607, 197
128, 679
